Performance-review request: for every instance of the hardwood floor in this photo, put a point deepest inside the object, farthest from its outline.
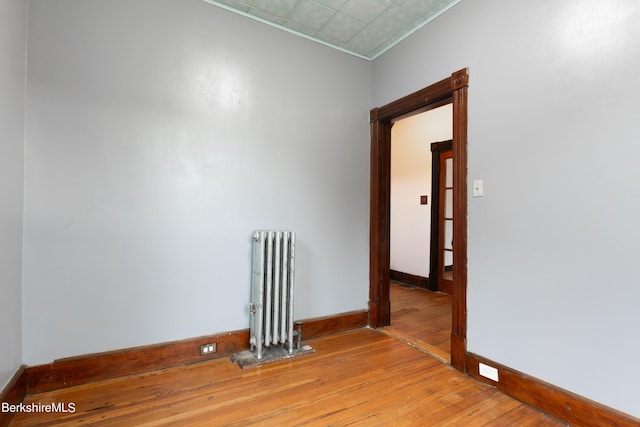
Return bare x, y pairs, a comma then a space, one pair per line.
422, 318
361, 377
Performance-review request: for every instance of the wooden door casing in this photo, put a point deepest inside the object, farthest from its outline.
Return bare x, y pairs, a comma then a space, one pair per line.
449, 90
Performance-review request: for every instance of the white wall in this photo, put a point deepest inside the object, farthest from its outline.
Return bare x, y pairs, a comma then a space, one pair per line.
12, 81
411, 140
553, 131
160, 134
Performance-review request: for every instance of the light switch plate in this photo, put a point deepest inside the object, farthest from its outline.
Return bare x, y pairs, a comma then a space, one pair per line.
478, 188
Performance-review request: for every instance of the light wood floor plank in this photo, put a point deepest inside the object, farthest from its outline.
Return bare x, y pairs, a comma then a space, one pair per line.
422, 316
358, 378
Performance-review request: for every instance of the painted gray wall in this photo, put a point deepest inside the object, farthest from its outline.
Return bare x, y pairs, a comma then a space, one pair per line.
160, 134
553, 131
12, 82
156, 130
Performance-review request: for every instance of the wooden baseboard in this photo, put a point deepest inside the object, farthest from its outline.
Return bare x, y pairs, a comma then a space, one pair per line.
319, 326
409, 279
555, 401
13, 393
78, 370
101, 366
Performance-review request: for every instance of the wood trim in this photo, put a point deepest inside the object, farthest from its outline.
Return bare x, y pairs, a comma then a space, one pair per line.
319, 326
452, 89
433, 96
13, 393
410, 279
555, 401
85, 369
459, 79
380, 200
459, 82
78, 370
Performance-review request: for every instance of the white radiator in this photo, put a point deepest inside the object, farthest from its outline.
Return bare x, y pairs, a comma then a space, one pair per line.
272, 284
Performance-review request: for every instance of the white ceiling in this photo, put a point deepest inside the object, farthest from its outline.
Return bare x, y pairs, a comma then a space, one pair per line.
364, 28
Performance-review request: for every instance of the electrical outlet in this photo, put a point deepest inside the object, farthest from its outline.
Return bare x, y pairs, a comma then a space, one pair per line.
488, 372
206, 349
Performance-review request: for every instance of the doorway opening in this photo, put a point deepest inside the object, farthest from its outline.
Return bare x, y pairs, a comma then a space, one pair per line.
421, 217
450, 90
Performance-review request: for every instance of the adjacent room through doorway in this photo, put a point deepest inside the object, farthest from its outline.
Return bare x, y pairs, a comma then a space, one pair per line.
420, 312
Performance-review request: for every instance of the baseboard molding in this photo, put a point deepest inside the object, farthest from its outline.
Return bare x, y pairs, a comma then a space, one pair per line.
85, 369
319, 326
555, 401
409, 279
13, 393
78, 370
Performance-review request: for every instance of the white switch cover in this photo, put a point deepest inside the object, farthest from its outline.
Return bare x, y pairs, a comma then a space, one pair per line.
478, 190
488, 371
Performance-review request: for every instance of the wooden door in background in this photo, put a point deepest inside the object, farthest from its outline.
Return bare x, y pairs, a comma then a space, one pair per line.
445, 226
441, 247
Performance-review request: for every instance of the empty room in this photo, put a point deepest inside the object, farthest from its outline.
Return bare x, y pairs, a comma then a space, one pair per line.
144, 143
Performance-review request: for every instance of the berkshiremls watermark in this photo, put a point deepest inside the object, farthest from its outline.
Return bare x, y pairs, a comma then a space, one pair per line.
34, 407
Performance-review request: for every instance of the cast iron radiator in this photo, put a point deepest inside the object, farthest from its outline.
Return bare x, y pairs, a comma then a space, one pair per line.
272, 285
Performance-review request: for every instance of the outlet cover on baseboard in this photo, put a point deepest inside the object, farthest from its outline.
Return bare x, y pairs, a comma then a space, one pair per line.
206, 349
488, 372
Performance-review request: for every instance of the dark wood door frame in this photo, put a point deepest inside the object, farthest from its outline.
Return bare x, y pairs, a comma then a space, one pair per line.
449, 90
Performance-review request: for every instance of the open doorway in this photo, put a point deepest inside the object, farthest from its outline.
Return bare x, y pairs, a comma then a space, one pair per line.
420, 230
450, 90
